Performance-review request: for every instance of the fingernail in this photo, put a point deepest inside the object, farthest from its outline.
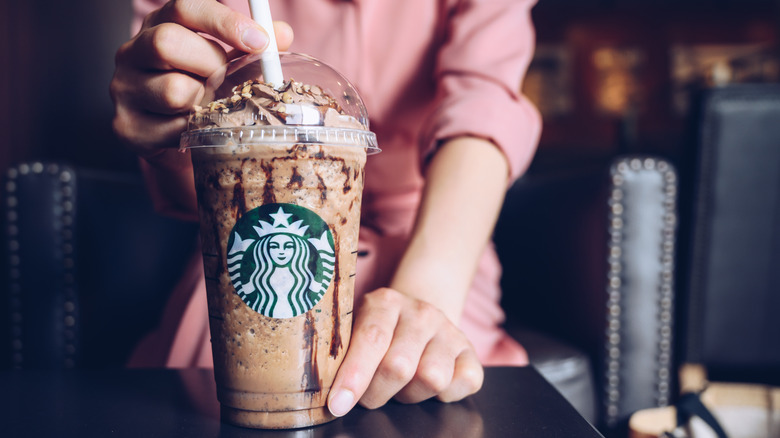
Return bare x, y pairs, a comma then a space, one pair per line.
254, 38
341, 403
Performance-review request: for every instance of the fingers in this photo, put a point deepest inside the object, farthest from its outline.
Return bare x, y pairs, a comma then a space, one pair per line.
372, 335
171, 46
284, 35
213, 18
449, 369
167, 93
151, 105
434, 373
401, 364
161, 73
468, 377
407, 349
151, 108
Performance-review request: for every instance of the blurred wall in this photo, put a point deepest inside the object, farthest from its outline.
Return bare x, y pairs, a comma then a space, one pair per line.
615, 76
57, 62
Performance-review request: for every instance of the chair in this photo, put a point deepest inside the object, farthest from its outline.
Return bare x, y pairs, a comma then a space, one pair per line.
731, 275
88, 265
588, 256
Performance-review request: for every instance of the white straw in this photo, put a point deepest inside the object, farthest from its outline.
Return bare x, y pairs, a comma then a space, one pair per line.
269, 60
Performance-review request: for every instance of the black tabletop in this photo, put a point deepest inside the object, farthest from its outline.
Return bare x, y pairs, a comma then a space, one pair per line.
514, 402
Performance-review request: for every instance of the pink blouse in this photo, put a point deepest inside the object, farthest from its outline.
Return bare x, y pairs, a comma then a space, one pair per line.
427, 71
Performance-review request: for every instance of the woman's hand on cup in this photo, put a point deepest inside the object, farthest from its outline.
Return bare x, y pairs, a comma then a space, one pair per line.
161, 72
406, 349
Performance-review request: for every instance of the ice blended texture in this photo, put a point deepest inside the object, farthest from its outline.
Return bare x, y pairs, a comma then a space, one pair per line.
275, 372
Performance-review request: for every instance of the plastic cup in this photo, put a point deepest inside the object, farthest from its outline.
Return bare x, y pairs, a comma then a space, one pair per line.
279, 214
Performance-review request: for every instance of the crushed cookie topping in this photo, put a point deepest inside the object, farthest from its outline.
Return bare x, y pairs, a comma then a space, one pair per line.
291, 92
255, 103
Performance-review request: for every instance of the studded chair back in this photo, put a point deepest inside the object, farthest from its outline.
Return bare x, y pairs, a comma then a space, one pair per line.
638, 363
86, 273
588, 256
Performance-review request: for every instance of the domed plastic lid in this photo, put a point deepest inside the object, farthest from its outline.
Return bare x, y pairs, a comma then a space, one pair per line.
316, 104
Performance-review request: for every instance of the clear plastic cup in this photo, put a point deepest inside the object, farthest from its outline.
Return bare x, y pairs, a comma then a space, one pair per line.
279, 195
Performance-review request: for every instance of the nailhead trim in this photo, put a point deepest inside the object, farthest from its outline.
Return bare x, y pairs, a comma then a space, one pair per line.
64, 212
614, 290
14, 262
666, 290
67, 191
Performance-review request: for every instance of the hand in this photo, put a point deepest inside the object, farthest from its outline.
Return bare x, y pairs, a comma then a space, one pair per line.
161, 72
404, 348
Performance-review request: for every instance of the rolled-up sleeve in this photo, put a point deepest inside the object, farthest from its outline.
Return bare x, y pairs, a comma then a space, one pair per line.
488, 47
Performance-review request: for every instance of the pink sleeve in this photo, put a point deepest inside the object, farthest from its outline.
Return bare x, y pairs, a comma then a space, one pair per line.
479, 71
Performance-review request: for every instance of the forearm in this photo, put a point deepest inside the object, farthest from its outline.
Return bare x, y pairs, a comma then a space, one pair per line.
465, 187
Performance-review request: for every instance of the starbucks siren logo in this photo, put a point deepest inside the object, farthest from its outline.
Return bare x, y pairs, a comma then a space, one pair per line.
281, 259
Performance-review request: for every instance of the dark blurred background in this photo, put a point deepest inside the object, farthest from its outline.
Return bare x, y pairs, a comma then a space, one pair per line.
57, 61
609, 76
619, 76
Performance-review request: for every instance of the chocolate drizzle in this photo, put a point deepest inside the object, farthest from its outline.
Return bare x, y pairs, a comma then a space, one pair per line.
322, 188
239, 198
218, 249
335, 343
296, 180
345, 170
269, 197
311, 372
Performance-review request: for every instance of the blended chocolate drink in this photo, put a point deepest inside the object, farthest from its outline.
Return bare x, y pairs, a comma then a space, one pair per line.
279, 178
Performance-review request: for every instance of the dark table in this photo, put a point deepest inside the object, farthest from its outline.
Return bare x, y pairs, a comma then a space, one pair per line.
514, 402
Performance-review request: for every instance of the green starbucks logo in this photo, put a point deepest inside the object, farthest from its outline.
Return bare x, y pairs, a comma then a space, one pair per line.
281, 259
